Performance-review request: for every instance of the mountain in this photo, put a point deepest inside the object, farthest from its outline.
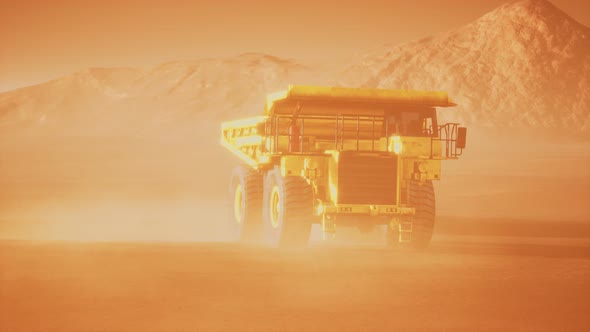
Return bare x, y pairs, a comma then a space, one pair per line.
126, 99
524, 65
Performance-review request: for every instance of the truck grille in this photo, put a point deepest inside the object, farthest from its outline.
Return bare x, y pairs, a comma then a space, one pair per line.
367, 179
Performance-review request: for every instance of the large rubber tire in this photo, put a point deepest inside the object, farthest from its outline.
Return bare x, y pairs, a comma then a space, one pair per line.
421, 197
245, 205
288, 210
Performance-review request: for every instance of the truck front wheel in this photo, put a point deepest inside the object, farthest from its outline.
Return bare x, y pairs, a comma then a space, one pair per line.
422, 198
287, 209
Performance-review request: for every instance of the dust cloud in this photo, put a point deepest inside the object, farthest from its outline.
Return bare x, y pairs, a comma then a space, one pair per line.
113, 188
172, 186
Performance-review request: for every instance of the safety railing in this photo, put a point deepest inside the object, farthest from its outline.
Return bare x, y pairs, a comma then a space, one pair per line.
447, 135
302, 129
377, 130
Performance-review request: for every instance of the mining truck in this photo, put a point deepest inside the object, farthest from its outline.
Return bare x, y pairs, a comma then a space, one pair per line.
338, 156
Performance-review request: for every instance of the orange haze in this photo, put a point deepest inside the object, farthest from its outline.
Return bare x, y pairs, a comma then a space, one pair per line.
40, 40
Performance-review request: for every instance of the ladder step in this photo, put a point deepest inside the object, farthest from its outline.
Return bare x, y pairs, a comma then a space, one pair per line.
405, 237
405, 227
405, 232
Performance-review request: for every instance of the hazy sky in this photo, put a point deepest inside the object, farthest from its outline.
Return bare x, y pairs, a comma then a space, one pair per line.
44, 39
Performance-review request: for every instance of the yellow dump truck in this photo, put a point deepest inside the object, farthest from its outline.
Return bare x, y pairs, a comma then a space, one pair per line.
339, 156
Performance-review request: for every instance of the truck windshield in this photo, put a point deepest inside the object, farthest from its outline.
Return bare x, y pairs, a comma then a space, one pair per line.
412, 123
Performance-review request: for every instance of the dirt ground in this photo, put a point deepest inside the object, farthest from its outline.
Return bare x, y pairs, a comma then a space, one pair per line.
461, 284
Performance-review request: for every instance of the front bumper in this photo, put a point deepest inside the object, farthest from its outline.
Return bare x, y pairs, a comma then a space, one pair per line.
367, 210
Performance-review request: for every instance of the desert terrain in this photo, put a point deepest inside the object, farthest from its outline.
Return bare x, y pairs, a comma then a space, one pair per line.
482, 284
113, 185
117, 252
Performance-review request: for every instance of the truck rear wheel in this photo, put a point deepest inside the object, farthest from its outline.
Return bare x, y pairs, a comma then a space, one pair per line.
245, 202
421, 197
288, 209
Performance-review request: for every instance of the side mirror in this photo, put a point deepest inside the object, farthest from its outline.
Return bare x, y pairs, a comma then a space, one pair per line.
461, 138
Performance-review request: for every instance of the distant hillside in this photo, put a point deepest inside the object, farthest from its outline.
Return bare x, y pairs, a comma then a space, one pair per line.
525, 64
117, 100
